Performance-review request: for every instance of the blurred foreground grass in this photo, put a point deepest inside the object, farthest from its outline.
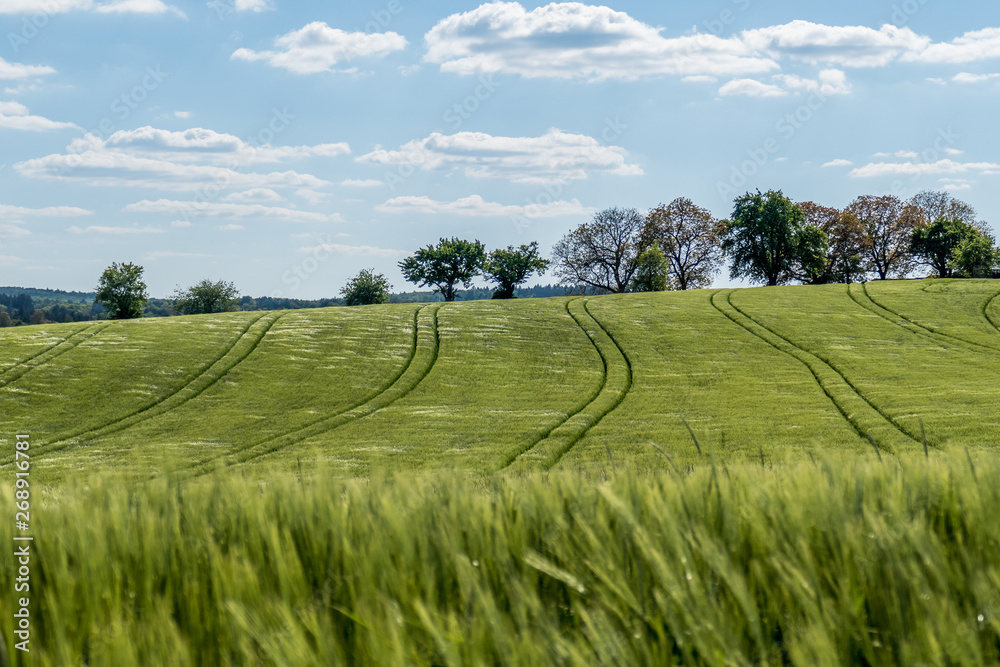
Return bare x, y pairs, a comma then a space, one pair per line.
839, 561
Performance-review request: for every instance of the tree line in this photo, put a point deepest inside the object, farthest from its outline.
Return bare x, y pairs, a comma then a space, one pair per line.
771, 240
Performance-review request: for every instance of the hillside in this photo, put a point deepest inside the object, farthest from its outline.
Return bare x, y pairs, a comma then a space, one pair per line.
770, 373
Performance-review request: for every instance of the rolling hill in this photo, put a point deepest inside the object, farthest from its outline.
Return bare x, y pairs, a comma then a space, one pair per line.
540, 384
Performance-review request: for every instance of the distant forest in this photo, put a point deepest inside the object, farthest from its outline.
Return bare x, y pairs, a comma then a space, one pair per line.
28, 305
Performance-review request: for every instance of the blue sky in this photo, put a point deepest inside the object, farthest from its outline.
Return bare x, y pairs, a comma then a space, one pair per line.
286, 145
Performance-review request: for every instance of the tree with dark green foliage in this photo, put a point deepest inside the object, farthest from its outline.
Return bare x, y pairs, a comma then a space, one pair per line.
651, 275
206, 297
121, 291
450, 262
766, 239
510, 267
366, 288
934, 243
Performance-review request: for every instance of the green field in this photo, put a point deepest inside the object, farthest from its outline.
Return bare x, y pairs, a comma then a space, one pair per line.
792, 475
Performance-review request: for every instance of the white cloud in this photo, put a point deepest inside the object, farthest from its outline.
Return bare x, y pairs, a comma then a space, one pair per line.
846, 46
907, 155
966, 77
937, 80
311, 196
255, 195
354, 250
15, 116
957, 187
319, 48
182, 114
228, 210
201, 145
970, 47
476, 206
98, 229
155, 7
99, 168
181, 224
232, 227
839, 163
830, 82
699, 78
366, 183
254, 5
19, 71
953, 151
573, 40
12, 231
875, 170
751, 88
18, 212
553, 157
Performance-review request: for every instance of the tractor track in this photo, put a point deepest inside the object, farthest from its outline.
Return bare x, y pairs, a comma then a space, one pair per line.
408, 378
577, 423
811, 361
244, 345
25, 366
906, 323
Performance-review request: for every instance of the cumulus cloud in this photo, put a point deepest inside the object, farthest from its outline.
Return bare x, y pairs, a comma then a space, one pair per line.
751, 88
319, 48
193, 160
18, 71
48, 7
830, 82
15, 116
875, 170
966, 77
970, 47
254, 195
254, 5
553, 157
228, 210
839, 163
846, 46
476, 206
200, 145
573, 40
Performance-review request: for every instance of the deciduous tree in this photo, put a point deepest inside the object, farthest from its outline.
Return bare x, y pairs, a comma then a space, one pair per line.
510, 267
975, 256
366, 288
450, 262
690, 239
888, 224
206, 297
844, 261
765, 239
121, 291
604, 253
653, 272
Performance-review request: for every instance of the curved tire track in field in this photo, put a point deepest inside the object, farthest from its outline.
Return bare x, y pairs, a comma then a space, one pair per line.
243, 347
615, 385
863, 415
423, 357
868, 302
986, 311
22, 368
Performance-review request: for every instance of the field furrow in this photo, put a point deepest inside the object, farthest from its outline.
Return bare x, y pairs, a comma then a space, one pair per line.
615, 384
243, 347
19, 367
417, 367
861, 413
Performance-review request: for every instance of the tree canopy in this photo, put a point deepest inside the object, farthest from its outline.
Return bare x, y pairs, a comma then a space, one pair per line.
206, 297
888, 225
445, 265
510, 267
690, 238
604, 253
121, 291
366, 288
765, 239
